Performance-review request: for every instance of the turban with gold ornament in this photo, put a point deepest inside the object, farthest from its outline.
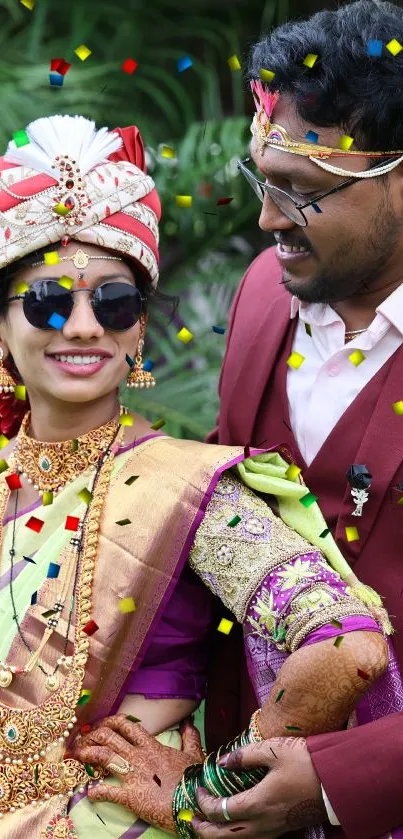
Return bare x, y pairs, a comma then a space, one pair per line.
71, 179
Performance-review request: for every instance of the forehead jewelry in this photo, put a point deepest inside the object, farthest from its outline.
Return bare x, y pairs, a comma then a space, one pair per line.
80, 259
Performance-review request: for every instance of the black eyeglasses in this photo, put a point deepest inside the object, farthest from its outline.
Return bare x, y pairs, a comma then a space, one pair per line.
283, 200
47, 305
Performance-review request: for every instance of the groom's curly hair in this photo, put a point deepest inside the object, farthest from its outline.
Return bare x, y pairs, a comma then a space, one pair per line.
348, 88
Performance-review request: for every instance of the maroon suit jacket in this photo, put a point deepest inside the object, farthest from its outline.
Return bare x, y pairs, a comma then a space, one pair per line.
361, 769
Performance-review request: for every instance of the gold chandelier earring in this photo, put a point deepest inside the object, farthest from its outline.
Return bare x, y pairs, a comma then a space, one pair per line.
7, 383
138, 377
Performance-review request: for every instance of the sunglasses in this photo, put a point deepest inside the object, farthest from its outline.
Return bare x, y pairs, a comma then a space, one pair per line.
116, 306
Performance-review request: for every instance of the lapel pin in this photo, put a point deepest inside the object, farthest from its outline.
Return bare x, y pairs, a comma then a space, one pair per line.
360, 480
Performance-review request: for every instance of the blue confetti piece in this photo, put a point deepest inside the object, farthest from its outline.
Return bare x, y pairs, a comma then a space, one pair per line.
57, 321
34, 598
129, 361
56, 79
374, 48
184, 63
148, 365
312, 136
316, 208
53, 570
220, 330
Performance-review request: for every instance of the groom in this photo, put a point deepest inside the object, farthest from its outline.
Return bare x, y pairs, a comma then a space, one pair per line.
315, 360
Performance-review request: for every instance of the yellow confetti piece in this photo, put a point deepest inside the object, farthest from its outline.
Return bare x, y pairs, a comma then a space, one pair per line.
82, 52
225, 626
398, 407
266, 75
185, 815
4, 441
21, 287
351, 534
292, 472
400, 501
85, 696
356, 358
29, 4
47, 499
3, 465
126, 419
310, 60
61, 209
184, 335
66, 282
346, 142
183, 200
394, 47
51, 258
85, 495
233, 62
295, 360
167, 151
126, 605
20, 392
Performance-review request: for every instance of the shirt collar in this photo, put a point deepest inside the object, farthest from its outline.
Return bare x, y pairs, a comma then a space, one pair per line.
321, 314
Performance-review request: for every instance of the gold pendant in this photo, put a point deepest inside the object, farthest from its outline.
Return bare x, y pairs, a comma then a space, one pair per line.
6, 677
61, 827
52, 682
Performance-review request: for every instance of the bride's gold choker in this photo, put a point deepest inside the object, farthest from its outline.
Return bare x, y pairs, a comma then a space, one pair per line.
51, 466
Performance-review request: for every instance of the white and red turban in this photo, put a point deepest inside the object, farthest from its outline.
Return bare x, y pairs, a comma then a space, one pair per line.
71, 179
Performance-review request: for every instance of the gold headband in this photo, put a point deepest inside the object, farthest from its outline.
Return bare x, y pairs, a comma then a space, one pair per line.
80, 259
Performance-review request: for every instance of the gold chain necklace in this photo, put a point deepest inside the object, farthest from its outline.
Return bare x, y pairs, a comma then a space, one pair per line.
51, 466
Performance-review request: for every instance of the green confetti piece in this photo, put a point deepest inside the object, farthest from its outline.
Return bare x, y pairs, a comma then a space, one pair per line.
85, 697
36, 773
308, 499
21, 138
293, 728
85, 496
234, 521
49, 613
74, 445
89, 770
308, 329
282, 692
158, 424
122, 522
324, 533
132, 718
131, 480
338, 641
3, 465
337, 624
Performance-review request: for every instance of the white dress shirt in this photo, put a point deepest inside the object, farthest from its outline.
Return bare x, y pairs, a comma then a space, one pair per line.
327, 382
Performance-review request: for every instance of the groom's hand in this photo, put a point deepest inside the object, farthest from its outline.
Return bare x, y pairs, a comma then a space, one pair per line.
287, 799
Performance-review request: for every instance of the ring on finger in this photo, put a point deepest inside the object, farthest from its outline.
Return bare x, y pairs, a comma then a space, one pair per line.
122, 768
225, 812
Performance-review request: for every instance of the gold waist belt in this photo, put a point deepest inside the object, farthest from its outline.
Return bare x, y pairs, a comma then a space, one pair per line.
23, 783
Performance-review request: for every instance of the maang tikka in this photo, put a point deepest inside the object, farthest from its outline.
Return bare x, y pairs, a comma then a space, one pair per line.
138, 377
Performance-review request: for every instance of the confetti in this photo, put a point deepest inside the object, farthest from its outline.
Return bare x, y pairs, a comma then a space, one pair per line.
59, 65
246, 451
72, 523
21, 138
61, 210
184, 63
398, 407
74, 445
356, 358
374, 48
4, 441
310, 60
237, 829
159, 423
346, 142
234, 521
282, 692
293, 728
220, 330
56, 321
351, 534
34, 598
87, 766
225, 626
394, 47
295, 360
85, 697
49, 613
324, 533
131, 480
35, 524
51, 258
22, 287
338, 640
132, 718
126, 419
222, 201
266, 75
85, 496
157, 780
82, 52
183, 200
127, 605
312, 136
3, 465
36, 773
184, 335
316, 208
129, 66
13, 481
168, 151
363, 675
90, 628
47, 499
56, 79
185, 815
29, 559
29, 4
308, 499
20, 392
233, 63
148, 365
101, 820
53, 571
123, 522
85, 729
292, 472
337, 624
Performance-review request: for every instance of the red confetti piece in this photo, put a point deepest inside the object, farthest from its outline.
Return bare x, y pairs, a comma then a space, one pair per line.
363, 675
59, 65
157, 780
85, 729
222, 201
72, 523
236, 829
14, 481
129, 66
247, 451
35, 524
90, 627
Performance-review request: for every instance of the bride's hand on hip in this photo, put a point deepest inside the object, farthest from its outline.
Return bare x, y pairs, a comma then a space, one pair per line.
149, 772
